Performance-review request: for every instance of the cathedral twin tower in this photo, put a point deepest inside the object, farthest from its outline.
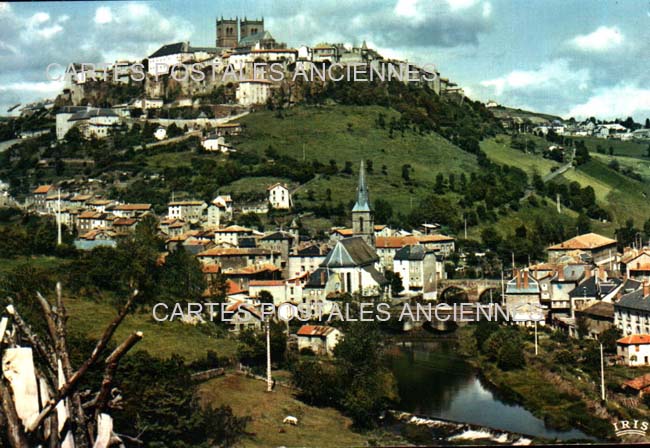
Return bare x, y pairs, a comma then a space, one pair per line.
231, 31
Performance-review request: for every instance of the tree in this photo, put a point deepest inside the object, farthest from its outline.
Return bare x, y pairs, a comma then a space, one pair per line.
395, 282
383, 211
583, 223
406, 172
160, 404
182, 278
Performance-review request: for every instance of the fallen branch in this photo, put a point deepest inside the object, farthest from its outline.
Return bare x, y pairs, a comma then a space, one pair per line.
71, 383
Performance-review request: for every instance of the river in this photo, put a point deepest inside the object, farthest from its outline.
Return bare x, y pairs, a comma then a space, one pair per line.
434, 381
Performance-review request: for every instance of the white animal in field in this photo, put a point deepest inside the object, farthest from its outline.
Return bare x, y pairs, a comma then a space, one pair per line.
290, 420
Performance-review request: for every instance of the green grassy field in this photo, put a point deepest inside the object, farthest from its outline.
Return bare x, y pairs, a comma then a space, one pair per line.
623, 196
349, 133
320, 426
498, 150
161, 339
629, 148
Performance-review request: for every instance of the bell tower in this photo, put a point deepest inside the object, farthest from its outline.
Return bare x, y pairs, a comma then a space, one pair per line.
363, 223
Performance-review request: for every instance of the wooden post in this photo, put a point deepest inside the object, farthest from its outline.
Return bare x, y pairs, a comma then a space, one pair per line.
269, 380
602, 374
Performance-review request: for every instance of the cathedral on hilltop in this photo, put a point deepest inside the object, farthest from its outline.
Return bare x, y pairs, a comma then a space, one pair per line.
244, 34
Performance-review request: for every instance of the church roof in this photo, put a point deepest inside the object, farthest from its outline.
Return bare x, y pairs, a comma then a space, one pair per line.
350, 252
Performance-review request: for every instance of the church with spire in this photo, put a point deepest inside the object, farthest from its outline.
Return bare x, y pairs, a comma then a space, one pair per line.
352, 266
363, 223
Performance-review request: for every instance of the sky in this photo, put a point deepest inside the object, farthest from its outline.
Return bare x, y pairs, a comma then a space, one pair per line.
569, 58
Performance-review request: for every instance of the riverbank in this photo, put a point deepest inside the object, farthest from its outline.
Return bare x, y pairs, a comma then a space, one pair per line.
563, 396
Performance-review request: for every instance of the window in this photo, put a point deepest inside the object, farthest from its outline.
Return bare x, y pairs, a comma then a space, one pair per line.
361, 224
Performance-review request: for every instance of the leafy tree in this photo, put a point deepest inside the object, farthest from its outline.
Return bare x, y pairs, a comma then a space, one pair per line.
181, 278
160, 405
406, 172
383, 211
319, 382
395, 282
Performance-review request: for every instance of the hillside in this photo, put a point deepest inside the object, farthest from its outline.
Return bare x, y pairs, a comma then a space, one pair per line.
624, 197
534, 117
349, 134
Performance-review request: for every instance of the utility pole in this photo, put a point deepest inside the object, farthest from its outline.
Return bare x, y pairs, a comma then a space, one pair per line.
269, 380
535, 337
59, 238
602, 373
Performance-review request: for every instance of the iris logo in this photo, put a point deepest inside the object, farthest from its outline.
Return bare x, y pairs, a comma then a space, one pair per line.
630, 428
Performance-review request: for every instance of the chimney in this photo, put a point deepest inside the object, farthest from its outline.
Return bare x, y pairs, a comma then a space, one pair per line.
322, 277
525, 278
560, 273
587, 273
518, 278
646, 288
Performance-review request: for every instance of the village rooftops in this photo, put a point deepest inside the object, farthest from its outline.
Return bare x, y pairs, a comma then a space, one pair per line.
43, 189
320, 331
175, 48
397, 242
588, 241
263, 283
278, 236
233, 229
234, 252
602, 310
186, 203
132, 207
126, 222
252, 269
634, 339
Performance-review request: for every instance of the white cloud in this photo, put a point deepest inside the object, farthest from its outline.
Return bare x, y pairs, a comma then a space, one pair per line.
618, 102
604, 38
103, 15
456, 5
406, 8
550, 74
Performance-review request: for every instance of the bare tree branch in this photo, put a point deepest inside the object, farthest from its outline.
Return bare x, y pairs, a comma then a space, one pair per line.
15, 432
46, 352
111, 366
71, 383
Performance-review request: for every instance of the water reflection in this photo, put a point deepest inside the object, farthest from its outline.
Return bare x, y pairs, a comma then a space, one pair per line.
434, 381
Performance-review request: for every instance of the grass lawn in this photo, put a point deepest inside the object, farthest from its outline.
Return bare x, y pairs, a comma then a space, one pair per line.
164, 160
47, 263
349, 133
160, 339
629, 148
639, 165
317, 427
498, 149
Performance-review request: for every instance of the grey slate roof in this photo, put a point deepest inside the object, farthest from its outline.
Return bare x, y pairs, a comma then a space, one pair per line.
413, 252
278, 236
254, 38
175, 48
587, 288
89, 113
350, 252
634, 301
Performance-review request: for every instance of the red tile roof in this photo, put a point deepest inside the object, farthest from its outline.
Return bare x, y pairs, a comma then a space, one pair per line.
43, 189
266, 283
315, 330
584, 242
635, 339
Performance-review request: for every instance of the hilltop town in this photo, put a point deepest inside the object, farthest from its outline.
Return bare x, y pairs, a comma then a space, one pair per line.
255, 191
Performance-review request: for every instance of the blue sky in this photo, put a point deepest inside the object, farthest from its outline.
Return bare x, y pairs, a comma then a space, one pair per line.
572, 58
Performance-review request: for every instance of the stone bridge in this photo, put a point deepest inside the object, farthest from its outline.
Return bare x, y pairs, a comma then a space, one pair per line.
474, 288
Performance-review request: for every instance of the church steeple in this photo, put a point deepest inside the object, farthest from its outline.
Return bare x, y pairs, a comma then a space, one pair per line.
363, 201
362, 216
